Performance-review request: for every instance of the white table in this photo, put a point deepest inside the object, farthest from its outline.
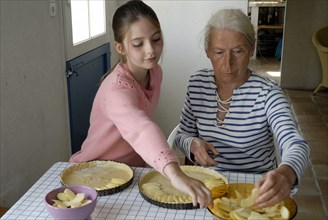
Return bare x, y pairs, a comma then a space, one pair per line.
127, 204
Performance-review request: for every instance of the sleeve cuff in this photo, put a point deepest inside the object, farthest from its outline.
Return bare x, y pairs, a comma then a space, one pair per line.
164, 158
188, 154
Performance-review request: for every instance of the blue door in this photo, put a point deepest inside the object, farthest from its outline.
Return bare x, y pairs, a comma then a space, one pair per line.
83, 76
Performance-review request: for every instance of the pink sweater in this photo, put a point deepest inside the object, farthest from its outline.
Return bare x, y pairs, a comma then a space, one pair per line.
121, 127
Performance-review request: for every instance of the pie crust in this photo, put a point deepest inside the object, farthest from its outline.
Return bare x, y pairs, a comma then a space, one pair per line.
158, 190
106, 177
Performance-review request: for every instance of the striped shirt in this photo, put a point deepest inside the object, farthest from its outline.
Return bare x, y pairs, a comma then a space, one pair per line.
259, 115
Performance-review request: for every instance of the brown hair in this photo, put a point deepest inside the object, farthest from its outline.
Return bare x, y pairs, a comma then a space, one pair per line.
126, 15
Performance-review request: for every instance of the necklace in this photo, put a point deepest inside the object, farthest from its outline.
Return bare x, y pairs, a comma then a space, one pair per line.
222, 108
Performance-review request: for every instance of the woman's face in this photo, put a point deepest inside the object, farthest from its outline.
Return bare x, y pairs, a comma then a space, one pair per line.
229, 52
143, 45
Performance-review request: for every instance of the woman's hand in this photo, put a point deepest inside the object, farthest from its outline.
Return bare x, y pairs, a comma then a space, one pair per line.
201, 150
275, 186
199, 193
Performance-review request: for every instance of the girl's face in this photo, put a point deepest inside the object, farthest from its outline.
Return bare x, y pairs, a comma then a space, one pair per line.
142, 46
229, 52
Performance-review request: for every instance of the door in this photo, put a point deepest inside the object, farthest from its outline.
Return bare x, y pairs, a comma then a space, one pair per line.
83, 75
87, 52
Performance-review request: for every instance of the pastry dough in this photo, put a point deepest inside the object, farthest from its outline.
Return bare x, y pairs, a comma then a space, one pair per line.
158, 188
100, 175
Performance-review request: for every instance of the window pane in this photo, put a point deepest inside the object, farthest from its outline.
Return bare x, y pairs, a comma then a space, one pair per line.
80, 23
97, 17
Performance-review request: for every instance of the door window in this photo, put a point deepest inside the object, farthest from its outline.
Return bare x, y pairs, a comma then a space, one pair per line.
85, 26
88, 19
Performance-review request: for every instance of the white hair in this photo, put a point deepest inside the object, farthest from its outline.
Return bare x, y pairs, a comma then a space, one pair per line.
232, 19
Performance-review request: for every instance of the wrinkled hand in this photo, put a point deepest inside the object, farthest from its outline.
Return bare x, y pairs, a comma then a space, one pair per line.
201, 150
199, 193
275, 186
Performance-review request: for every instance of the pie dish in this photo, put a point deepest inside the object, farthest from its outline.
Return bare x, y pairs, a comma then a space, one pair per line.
245, 189
106, 177
158, 190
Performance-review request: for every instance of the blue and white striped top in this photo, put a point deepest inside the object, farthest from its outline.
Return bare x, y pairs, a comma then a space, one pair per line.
259, 114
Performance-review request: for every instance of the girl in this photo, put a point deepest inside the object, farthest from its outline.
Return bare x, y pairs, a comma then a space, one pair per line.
121, 128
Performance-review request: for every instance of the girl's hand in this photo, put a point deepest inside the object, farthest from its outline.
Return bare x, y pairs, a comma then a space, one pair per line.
199, 193
275, 186
203, 152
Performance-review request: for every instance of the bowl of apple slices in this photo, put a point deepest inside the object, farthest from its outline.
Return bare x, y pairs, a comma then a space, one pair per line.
71, 202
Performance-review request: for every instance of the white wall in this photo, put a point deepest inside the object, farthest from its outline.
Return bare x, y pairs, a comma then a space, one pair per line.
182, 24
34, 110
34, 126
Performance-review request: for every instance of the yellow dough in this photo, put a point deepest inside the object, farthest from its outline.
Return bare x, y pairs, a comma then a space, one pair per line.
158, 188
100, 175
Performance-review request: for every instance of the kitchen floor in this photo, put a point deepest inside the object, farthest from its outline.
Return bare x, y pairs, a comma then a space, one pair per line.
3, 211
311, 114
264, 65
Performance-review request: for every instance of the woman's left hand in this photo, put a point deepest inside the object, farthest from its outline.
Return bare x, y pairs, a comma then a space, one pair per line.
275, 186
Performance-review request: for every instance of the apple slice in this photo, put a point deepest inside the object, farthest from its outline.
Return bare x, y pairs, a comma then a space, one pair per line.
284, 212
70, 194
63, 196
257, 216
59, 204
249, 201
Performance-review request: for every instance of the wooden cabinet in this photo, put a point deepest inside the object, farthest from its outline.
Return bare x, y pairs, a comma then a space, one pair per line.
268, 21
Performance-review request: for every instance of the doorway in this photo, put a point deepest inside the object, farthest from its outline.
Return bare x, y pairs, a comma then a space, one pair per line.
268, 21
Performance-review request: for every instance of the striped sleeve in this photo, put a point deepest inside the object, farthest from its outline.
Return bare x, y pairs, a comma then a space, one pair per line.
188, 128
294, 151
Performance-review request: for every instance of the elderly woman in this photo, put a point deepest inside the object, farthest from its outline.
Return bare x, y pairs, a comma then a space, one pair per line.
231, 115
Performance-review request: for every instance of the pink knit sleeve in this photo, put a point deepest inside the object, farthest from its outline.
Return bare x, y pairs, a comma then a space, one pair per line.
163, 158
122, 106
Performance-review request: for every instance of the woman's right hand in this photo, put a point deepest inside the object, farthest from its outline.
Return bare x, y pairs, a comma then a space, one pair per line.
199, 193
201, 149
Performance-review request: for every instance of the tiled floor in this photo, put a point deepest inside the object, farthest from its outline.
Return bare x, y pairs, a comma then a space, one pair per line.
311, 113
264, 64
3, 211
